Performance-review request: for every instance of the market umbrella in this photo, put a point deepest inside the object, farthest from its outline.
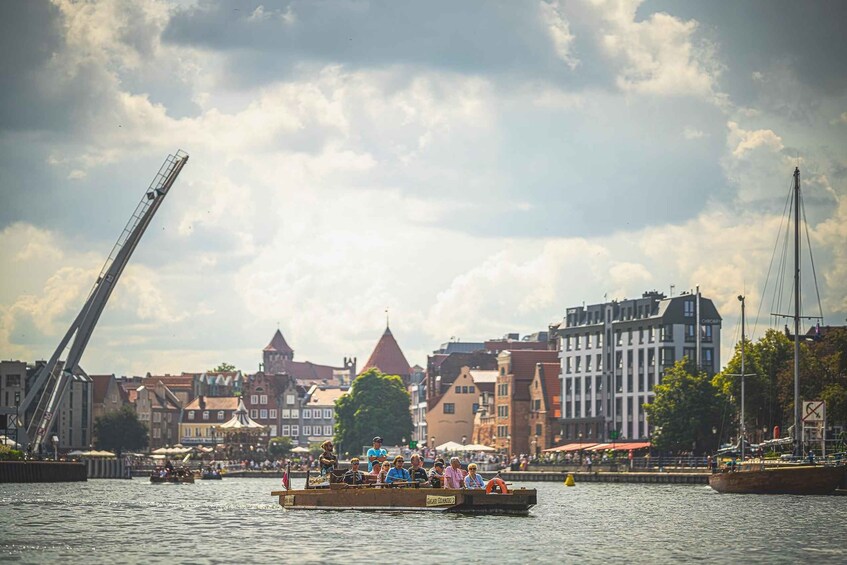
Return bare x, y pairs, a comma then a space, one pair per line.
450, 446
5, 440
478, 447
300, 450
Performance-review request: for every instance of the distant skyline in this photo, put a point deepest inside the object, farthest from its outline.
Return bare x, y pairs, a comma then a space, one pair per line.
474, 167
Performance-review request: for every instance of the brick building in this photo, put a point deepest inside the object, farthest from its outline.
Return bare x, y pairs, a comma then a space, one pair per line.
545, 407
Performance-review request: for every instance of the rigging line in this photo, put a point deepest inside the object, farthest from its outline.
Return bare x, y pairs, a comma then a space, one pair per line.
811, 256
770, 266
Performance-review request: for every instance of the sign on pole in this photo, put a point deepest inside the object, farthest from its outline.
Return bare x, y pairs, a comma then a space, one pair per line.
814, 411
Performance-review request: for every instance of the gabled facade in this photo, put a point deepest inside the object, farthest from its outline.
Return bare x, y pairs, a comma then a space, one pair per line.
202, 416
160, 410
278, 358
545, 407
318, 413
450, 417
107, 395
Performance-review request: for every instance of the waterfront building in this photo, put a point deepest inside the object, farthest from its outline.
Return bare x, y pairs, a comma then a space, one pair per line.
160, 410
545, 407
485, 420
614, 353
12, 391
388, 358
417, 400
217, 383
278, 358
107, 395
450, 416
511, 397
182, 386
202, 416
318, 413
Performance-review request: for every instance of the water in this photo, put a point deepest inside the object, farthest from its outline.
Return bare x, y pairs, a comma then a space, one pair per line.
108, 521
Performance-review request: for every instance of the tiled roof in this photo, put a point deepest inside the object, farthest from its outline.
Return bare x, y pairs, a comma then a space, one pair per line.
326, 396
523, 362
173, 382
388, 357
101, 387
278, 344
311, 373
214, 403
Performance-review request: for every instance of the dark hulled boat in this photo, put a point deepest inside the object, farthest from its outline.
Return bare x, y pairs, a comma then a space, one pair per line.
189, 478
365, 497
779, 479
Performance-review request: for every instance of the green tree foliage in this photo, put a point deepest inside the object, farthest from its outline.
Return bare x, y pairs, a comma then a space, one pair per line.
120, 430
377, 404
280, 446
223, 368
686, 408
764, 361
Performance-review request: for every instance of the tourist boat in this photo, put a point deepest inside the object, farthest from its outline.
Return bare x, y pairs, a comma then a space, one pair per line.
210, 476
189, 478
760, 477
406, 498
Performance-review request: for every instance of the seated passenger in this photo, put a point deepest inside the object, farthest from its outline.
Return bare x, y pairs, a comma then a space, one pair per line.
397, 472
353, 476
473, 480
436, 474
453, 475
327, 460
417, 473
383, 473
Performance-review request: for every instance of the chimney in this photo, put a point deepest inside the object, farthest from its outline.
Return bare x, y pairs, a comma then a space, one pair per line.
202, 403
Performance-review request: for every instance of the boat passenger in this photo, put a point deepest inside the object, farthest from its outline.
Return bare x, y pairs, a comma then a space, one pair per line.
383, 473
417, 473
453, 476
376, 454
328, 460
436, 474
473, 480
353, 476
397, 472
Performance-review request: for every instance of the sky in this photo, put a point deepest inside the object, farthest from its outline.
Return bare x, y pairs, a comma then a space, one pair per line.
473, 167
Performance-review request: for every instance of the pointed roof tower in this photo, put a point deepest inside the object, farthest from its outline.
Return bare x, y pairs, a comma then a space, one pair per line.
279, 345
388, 357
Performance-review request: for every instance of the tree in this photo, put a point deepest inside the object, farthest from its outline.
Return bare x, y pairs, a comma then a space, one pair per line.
280, 446
685, 409
120, 430
223, 368
377, 404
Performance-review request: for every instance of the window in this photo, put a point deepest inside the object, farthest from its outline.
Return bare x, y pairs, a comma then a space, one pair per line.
273, 431
640, 335
706, 333
629, 337
13, 380
689, 333
286, 431
578, 364
618, 339
449, 408
568, 410
295, 431
289, 399
157, 433
254, 413
263, 414
220, 415
197, 432
688, 308
569, 365
577, 386
666, 356
327, 430
464, 390
475, 407
307, 431
458, 390
588, 341
588, 363
536, 404
307, 413
471, 389
568, 383
667, 332
254, 399
503, 411
263, 399
187, 432
295, 413
205, 414
191, 414
272, 414
286, 414
599, 361
157, 416
568, 343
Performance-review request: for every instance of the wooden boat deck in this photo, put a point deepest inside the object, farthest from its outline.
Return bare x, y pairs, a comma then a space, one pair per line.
783, 479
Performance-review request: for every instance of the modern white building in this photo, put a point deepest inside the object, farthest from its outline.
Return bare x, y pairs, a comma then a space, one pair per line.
613, 355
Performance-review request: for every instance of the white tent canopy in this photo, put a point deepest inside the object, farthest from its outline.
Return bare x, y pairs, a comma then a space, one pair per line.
241, 420
5, 440
300, 450
450, 446
477, 447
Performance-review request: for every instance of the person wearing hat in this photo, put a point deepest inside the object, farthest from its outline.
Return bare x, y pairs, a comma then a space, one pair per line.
376, 454
353, 476
327, 460
436, 474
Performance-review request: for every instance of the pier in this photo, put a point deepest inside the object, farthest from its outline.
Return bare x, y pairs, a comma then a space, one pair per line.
691, 478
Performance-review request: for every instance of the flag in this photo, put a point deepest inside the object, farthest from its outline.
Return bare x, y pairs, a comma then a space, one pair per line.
286, 478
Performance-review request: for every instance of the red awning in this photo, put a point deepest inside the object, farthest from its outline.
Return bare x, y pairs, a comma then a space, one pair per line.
570, 447
601, 447
629, 446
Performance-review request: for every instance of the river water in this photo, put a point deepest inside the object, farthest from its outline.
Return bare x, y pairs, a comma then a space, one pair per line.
236, 520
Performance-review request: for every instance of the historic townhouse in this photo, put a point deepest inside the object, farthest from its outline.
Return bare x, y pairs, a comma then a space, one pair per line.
545, 407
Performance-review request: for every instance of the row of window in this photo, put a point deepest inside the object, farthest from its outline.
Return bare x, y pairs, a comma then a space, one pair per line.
205, 415
466, 389
258, 399
294, 431
624, 313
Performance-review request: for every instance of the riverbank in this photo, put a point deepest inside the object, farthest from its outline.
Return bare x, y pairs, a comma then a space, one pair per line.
689, 478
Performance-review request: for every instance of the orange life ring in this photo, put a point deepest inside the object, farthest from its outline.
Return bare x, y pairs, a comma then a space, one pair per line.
498, 482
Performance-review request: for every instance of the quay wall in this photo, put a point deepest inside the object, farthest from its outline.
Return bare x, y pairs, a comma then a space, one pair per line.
107, 469
600, 477
42, 472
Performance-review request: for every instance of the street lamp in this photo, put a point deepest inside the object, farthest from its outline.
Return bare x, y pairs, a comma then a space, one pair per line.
55, 447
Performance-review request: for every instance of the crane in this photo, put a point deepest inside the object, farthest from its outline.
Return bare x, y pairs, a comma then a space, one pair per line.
49, 382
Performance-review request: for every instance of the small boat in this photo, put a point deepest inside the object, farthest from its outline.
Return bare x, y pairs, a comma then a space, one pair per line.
210, 476
189, 478
408, 498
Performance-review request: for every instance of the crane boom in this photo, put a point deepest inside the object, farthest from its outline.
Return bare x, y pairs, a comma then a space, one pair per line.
51, 379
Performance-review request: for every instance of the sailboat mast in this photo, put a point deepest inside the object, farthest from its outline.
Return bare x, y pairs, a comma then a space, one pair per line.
743, 374
798, 434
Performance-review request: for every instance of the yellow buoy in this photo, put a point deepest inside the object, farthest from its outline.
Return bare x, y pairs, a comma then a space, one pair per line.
569, 482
